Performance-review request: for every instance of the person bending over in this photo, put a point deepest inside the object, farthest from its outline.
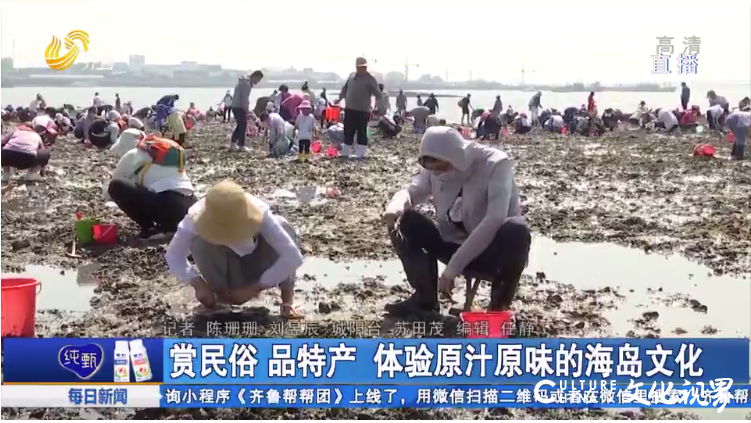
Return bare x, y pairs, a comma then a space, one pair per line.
24, 148
150, 185
240, 248
479, 225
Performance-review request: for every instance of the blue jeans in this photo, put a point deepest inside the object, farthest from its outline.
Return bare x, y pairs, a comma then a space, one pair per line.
418, 128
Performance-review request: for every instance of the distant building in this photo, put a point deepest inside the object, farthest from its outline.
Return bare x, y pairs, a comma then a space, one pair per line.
393, 79
136, 62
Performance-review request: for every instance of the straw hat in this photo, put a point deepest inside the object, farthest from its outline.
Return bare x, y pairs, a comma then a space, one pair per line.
229, 215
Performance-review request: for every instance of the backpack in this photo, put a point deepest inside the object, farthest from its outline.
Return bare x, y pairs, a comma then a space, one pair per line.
163, 152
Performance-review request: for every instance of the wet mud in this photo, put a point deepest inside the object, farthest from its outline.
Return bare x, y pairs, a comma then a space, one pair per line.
626, 188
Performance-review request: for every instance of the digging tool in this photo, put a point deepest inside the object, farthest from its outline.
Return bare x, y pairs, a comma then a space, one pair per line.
72, 253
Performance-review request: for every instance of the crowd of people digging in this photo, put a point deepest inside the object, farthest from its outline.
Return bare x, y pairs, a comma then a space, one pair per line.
241, 247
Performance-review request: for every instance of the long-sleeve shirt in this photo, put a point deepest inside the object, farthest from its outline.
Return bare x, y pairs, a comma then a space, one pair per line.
272, 231
489, 197
305, 125
138, 166
23, 141
401, 102
685, 93
241, 96
358, 90
276, 126
383, 104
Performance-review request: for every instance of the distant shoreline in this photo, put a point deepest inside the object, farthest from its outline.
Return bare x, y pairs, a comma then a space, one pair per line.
410, 89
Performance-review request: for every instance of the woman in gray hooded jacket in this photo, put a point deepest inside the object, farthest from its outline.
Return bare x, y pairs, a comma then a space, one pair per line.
479, 224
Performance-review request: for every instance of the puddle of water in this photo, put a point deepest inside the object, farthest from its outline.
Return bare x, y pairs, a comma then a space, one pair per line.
65, 290
594, 266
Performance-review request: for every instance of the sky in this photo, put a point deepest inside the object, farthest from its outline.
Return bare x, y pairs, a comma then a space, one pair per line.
557, 41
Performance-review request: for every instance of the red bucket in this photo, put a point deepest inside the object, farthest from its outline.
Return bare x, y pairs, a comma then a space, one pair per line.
332, 152
105, 234
19, 306
316, 146
564, 130
498, 323
730, 137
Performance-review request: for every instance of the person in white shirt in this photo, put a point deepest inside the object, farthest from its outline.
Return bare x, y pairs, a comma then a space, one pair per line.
155, 195
97, 102
278, 142
34, 105
305, 125
240, 248
129, 138
716, 116
667, 120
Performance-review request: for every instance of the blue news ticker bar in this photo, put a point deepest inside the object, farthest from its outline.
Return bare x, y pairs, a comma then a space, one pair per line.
34, 360
414, 396
354, 361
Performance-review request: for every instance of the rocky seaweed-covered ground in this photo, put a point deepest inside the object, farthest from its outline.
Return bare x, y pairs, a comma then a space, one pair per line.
644, 191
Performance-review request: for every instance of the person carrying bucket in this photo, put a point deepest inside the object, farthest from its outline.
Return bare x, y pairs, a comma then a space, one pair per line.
151, 186
486, 233
240, 248
738, 123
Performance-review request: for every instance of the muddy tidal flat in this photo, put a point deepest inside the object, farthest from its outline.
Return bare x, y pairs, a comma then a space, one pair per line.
633, 237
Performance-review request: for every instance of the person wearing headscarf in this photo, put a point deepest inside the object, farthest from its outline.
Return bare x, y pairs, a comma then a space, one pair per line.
497, 106
129, 138
521, 124
26, 148
151, 186
479, 228
240, 248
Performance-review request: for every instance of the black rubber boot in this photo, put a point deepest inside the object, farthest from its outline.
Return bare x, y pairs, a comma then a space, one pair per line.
504, 288
422, 275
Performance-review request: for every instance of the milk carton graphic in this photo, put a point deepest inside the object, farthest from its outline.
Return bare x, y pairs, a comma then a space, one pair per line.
122, 362
140, 359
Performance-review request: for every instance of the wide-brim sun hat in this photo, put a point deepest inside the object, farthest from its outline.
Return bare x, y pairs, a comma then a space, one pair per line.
229, 215
305, 105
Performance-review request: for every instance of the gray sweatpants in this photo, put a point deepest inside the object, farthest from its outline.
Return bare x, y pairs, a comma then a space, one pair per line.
223, 268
